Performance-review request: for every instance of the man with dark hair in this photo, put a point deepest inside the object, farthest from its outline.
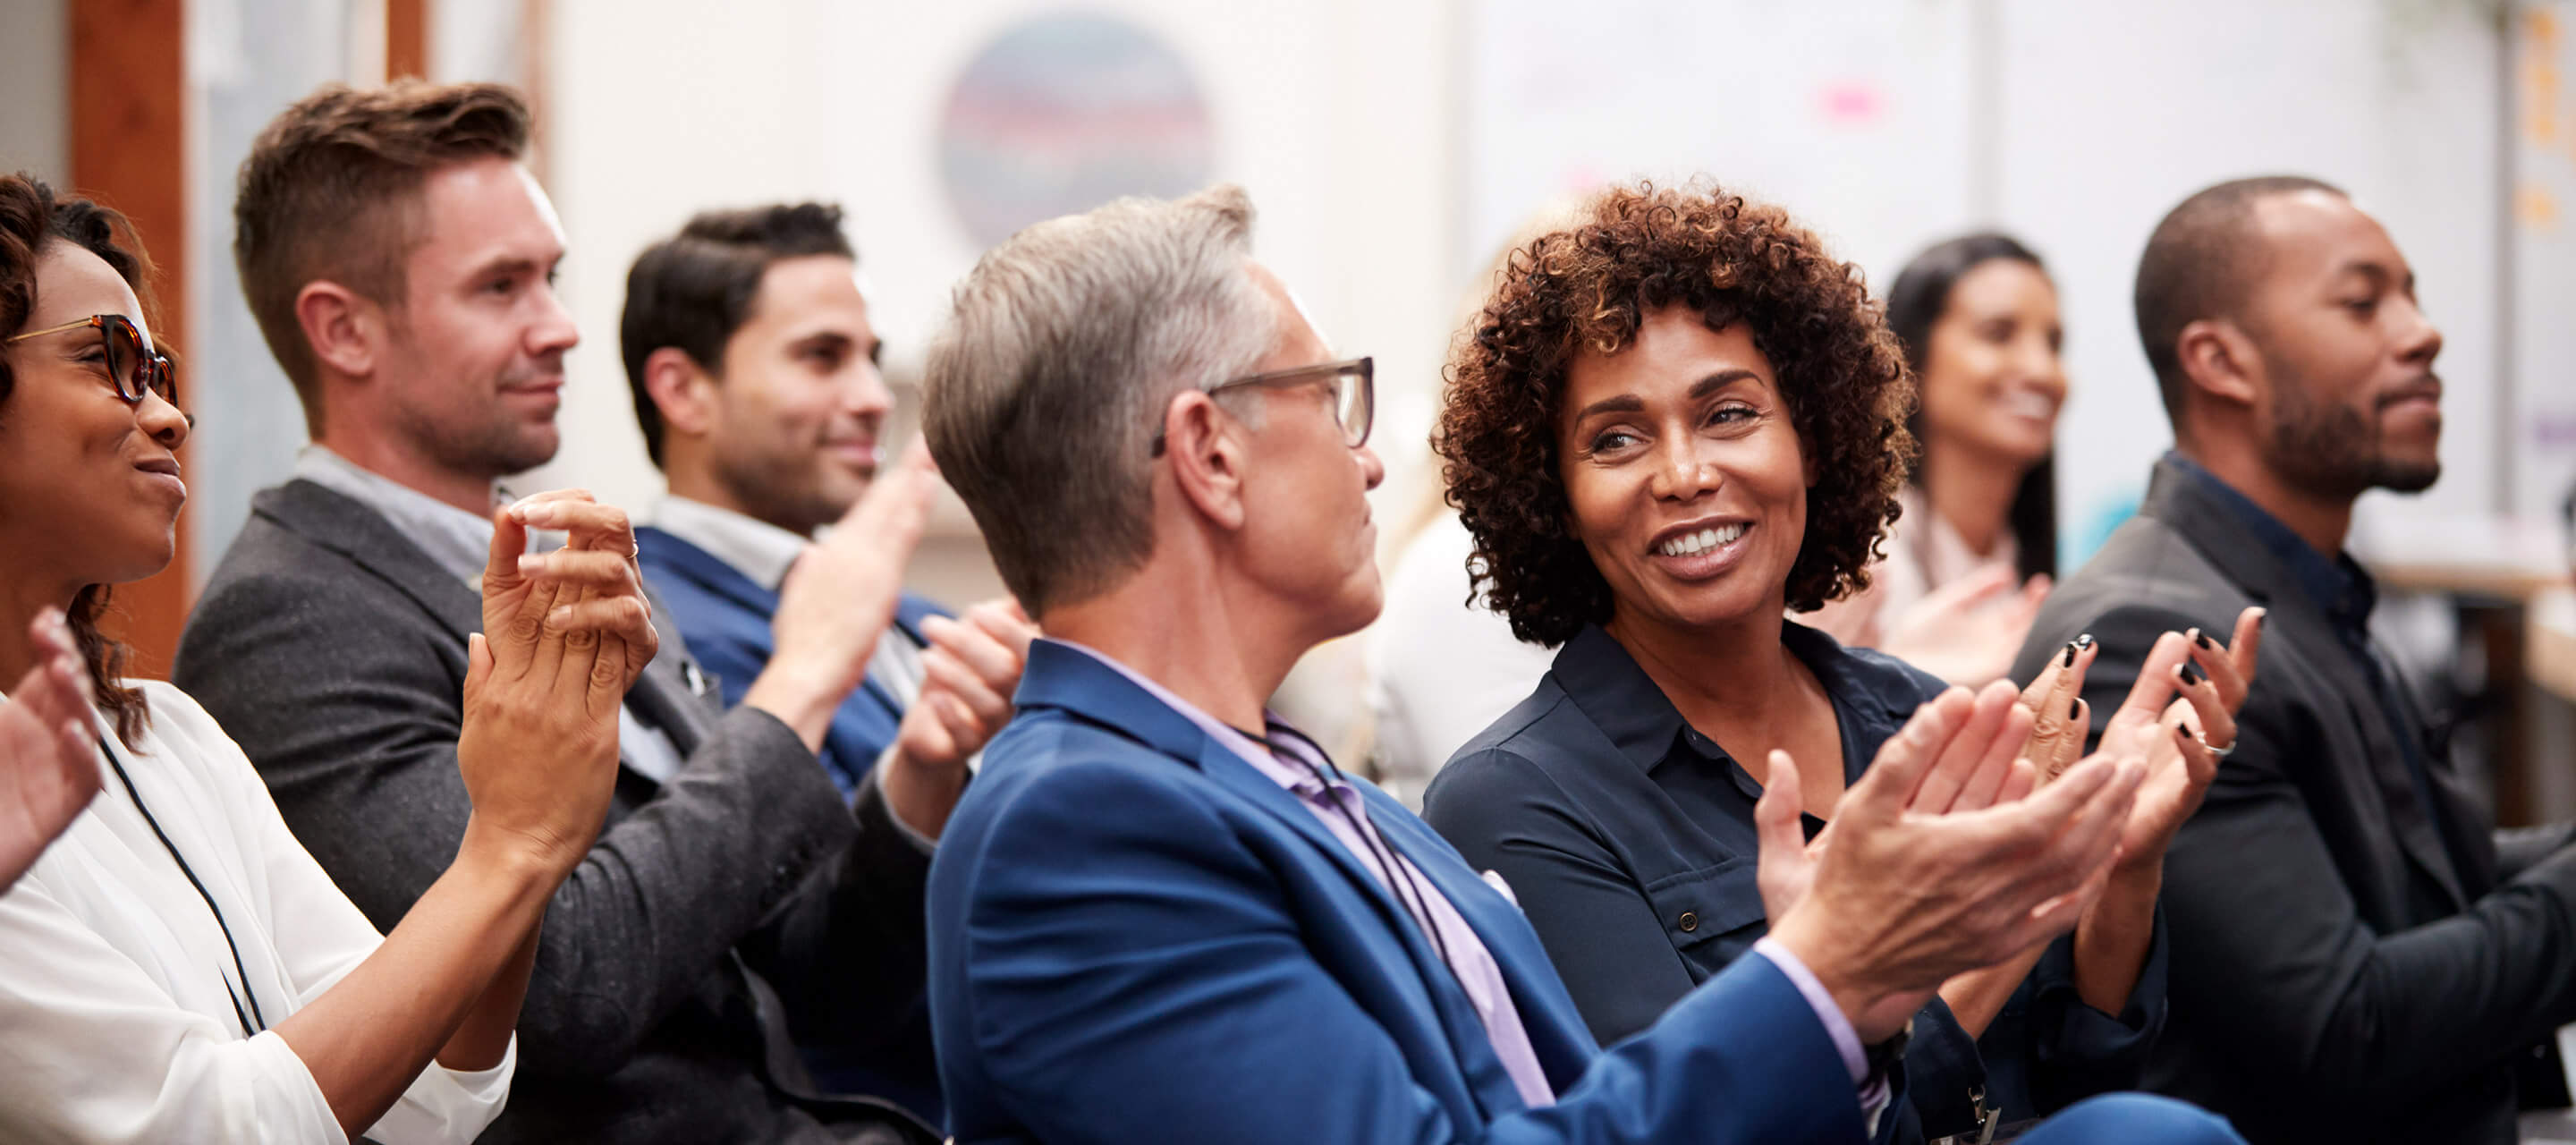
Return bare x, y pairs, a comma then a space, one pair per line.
2357, 954
401, 261
754, 372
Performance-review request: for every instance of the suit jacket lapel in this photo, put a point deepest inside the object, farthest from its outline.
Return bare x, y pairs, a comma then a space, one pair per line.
1067, 679
2211, 526
1464, 1028
342, 525
1564, 1044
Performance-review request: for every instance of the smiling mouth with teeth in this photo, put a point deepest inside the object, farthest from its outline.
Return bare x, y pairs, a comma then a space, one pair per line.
1701, 541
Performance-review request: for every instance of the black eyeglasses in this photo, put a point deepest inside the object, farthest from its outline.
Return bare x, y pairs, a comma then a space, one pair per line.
132, 367
1354, 383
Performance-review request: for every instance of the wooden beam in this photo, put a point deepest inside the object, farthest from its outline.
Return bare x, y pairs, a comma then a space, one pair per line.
406, 39
129, 150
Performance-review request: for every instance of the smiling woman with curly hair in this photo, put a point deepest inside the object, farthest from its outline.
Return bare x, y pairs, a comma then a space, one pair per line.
1841, 374
1674, 421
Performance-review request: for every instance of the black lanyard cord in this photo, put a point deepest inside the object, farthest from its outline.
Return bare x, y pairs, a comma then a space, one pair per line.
253, 1022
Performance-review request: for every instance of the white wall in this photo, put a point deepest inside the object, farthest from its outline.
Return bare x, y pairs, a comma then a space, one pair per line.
1890, 124
2112, 114
2544, 411
1334, 114
247, 61
35, 94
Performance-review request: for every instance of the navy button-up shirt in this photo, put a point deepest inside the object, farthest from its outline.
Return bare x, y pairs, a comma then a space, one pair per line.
1628, 837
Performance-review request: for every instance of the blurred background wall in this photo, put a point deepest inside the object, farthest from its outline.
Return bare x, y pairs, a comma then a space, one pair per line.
1391, 145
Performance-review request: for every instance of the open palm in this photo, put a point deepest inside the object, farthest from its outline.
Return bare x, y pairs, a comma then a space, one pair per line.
48, 768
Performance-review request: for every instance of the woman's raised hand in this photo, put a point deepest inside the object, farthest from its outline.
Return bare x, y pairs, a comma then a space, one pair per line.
48, 768
2180, 716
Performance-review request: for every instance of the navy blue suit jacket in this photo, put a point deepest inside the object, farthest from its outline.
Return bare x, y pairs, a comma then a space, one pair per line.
724, 618
1136, 936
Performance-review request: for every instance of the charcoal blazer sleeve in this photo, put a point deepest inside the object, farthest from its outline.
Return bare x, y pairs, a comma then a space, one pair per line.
347, 693
2283, 964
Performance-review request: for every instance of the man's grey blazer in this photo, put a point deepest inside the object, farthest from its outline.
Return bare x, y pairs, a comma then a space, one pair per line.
720, 914
2336, 975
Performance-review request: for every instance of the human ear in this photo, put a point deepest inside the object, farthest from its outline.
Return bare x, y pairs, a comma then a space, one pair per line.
673, 379
1206, 451
344, 329
2218, 359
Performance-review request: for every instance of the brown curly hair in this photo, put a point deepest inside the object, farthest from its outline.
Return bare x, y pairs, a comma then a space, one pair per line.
1635, 250
32, 219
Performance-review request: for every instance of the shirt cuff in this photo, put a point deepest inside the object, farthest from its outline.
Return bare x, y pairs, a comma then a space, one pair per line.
1839, 1028
876, 778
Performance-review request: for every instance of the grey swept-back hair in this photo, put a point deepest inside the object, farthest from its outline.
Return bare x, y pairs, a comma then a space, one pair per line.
1063, 349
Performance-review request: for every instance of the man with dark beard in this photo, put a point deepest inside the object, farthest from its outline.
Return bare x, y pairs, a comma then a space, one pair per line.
2357, 954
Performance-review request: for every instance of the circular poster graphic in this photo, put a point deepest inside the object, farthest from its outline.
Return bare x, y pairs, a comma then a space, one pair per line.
1063, 112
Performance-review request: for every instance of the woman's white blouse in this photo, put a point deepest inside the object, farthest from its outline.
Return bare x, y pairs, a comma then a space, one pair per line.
114, 1021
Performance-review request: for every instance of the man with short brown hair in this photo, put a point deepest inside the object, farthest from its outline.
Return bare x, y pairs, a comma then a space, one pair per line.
401, 261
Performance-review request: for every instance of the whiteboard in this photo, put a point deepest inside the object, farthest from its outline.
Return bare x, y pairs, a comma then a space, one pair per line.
1888, 125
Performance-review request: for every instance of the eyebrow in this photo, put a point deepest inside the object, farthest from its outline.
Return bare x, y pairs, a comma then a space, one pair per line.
875, 347
2377, 273
1631, 403
512, 265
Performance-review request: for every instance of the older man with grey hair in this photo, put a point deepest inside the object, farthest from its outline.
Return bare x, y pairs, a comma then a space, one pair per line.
1161, 914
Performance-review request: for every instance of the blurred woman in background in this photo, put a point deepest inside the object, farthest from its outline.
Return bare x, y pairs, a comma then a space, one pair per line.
1978, 319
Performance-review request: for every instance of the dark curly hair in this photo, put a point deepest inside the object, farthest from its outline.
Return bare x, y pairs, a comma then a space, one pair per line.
1632, 251
31, 219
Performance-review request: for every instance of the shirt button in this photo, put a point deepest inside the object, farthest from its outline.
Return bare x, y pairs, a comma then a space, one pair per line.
1689, 922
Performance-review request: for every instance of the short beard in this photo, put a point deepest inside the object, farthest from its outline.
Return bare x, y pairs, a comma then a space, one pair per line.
781, 491
2332, 451
494, 449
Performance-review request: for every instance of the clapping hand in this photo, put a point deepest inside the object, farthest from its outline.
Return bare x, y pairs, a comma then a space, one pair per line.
48, 766
2182, 736
839, 597
1967, 631
1907, 897
564, 635
969, 672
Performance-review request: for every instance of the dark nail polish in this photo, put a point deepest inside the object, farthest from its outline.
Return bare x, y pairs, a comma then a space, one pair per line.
2200, 638
2190, 676
2186, 731
2069, 660
2074, 709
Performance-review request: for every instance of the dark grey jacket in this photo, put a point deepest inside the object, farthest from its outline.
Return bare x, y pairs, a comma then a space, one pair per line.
2336, 975
713, 910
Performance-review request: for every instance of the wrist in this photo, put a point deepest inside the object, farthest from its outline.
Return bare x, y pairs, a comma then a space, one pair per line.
802, 694
2128, 897
513, 860
1876, 1010
919, 793
2140, 874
